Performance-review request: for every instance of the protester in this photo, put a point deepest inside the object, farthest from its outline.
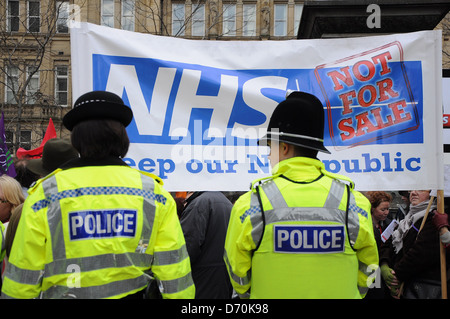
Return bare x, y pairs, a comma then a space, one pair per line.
288, 237
11, 196
2, 251
98, 228
55, 153
204, 222
12, 227
410, 264
404, 208
24, 176
380, 202
179, 201
440, 221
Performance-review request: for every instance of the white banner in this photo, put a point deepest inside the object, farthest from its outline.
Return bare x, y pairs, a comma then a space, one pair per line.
200, 106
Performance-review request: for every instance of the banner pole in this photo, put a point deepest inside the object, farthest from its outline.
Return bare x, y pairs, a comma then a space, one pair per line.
440, 209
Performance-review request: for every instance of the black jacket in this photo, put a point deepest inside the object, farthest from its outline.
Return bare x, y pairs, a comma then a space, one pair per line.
204, 222
420, 255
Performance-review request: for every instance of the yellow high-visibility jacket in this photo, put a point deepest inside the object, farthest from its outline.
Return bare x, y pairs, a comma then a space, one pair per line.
2, 244
302, 244
98, 232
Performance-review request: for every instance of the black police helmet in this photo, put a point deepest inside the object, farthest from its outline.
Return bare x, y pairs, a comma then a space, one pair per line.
298, 120
98, 105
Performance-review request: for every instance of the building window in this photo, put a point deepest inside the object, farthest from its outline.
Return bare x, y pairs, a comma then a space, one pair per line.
33, 85
34, 16
9, 137
298, 9
61, 85
198, 20
12, 84
25, 140
62, 16
280, 18
107, 10
128, 15
13, 16
178, 19
229, 19
249, 20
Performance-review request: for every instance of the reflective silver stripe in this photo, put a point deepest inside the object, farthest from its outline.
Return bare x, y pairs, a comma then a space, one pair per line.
274, 195
60, 264
23, 276
175, 285
3, 240
242, 281
244, 296
54, 219
149, 209
335, 194
163, 258
363, 290
96, 292
5, 296
353, 219
371, 272
256, 220
59, 267
330, 212
305, 214
296, 135
2, 248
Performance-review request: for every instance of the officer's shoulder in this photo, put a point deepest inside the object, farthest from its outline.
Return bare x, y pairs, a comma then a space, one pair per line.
260, 182
153, 176
36, 184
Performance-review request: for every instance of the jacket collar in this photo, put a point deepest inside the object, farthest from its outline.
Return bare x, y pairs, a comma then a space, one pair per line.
299, 168
192, 197
83, 161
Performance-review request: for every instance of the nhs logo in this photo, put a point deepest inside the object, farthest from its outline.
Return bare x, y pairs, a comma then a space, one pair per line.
185, 103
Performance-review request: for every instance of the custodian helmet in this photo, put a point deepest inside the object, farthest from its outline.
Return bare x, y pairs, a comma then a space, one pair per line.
298, 120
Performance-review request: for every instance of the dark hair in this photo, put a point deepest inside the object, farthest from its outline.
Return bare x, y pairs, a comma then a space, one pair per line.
100, 138
304, 151
376, 197
24, 176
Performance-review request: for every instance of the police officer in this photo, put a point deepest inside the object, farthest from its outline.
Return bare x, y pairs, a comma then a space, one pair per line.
303, 232
98, 228
2, 249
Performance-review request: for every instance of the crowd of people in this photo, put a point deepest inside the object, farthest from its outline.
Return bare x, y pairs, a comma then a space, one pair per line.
409, 256
79, 223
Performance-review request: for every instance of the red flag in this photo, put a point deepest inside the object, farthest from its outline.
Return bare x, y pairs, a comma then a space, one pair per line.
37, 152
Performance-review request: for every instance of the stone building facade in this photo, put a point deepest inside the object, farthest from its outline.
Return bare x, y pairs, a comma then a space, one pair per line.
35, 71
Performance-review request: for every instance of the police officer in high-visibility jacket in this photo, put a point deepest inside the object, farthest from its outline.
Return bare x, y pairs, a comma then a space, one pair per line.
304, 232
98, 228
2, 249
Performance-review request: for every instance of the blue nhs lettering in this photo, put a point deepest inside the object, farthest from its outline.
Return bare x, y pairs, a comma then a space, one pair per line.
167, 97
309, 238
102, 224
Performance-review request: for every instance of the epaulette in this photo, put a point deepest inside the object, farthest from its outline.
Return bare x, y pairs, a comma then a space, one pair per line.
155, 177
341, 178
41, 180
262, 181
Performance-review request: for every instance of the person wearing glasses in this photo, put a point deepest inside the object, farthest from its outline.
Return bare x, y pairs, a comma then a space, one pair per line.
410, 263
11, 196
